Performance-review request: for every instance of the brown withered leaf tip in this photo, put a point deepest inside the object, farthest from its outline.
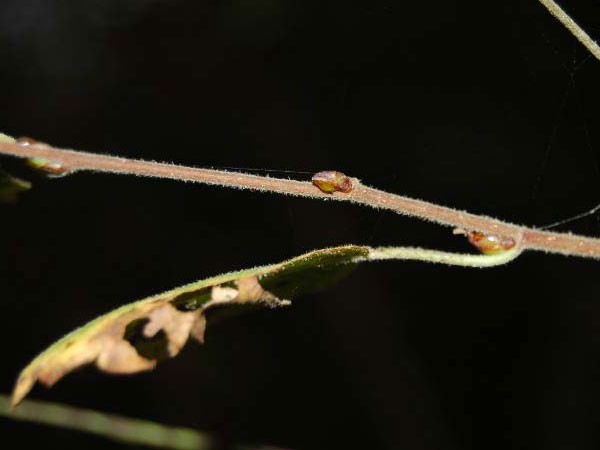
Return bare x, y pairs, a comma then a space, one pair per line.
102, 341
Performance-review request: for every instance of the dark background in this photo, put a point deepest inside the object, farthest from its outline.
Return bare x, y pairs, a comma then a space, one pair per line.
486, 107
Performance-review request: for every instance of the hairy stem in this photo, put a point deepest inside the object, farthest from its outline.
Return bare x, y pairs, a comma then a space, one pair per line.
572, 26
525, 238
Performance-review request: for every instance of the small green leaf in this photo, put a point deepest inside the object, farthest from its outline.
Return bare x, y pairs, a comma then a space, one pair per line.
11, 187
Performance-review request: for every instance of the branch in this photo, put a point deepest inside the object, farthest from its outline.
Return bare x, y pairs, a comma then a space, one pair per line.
575, 29
524, 238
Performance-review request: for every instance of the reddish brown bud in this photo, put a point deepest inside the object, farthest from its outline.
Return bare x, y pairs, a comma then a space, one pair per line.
330, 181
490, 244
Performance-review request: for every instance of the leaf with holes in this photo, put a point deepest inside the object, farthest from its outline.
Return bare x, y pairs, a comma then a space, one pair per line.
136, 336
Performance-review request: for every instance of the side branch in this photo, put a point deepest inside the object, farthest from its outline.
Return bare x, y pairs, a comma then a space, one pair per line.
572, 26
525, 238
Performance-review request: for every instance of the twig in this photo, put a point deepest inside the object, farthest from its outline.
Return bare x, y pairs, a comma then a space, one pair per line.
525, 238
570, 24
111, 426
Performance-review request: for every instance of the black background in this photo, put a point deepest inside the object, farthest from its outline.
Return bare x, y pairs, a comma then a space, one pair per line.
486, 107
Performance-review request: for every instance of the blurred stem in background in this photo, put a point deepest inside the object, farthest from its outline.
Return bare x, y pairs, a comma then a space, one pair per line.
110, 426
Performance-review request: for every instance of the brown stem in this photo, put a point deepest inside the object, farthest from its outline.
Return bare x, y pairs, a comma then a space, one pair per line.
526, 238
